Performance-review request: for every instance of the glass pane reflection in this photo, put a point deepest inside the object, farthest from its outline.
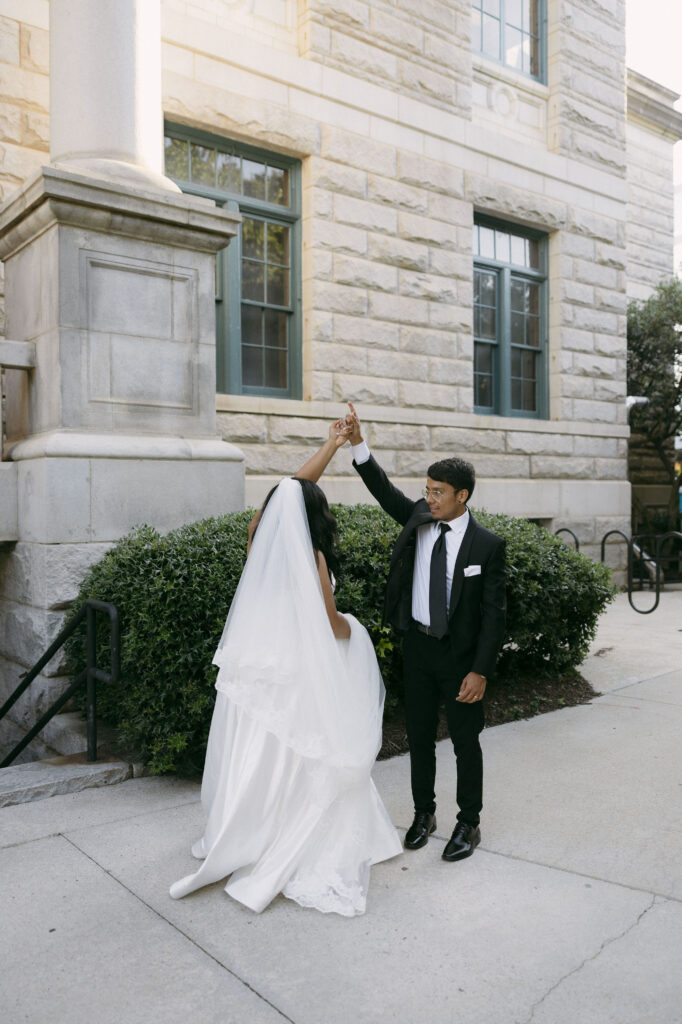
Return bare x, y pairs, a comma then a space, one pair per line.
276, 328
203, 165
253, 174
229, 174
278, 244
177, 158
278, 286
253, 281
252, 326
252, 366
278, 186
275, 368
253, 238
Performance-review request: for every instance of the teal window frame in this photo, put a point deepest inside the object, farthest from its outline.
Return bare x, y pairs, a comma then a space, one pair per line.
504, 6
228, 296
505, 273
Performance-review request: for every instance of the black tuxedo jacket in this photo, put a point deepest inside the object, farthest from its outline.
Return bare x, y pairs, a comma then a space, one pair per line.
477, 602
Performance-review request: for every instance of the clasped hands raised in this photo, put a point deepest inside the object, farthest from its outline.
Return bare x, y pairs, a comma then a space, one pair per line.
346, 429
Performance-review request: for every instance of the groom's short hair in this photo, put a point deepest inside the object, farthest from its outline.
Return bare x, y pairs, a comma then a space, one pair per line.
459, 474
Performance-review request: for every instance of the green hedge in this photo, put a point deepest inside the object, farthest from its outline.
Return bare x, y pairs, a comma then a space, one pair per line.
173, 593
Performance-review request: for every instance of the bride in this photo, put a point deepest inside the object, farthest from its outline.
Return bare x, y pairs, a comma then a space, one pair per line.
289, 801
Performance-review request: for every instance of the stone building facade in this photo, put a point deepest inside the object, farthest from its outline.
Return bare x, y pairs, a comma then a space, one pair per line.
653, 128
445, 206
406, 136
677, 164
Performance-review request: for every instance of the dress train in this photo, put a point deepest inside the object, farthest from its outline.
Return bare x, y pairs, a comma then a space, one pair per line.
280, 821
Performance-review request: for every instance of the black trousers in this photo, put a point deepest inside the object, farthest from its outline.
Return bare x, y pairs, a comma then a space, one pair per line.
432, 676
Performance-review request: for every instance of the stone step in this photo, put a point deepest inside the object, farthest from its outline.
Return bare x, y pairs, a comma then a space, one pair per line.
64, 734
11, 734
67, 733
70, 774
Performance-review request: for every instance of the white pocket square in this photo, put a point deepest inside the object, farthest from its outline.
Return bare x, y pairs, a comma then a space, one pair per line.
472, 570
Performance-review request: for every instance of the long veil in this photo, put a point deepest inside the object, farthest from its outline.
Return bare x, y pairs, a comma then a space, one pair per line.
278, 658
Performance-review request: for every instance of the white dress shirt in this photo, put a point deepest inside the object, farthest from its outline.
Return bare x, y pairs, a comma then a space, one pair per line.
427, 535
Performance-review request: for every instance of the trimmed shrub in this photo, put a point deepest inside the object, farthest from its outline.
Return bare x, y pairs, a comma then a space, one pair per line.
174, 591
554, 598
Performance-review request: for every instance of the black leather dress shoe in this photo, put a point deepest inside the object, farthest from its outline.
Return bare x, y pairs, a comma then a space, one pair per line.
463, 841
419, 831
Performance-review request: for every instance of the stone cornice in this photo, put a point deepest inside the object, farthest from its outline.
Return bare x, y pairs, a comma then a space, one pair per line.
652, 103
66, 444
55, 196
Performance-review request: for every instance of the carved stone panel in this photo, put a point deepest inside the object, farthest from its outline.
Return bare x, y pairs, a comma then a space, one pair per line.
141, 348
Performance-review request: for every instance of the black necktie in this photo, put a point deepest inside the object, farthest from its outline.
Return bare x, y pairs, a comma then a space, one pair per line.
438, 596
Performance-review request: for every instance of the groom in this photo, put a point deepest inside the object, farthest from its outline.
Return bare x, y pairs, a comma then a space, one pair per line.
446, 593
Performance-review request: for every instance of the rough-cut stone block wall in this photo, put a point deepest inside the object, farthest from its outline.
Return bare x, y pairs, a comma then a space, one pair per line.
24, 89
403, 136
277, 443
420, 48
677, 177
650, 211
586, 70
548, 475
24, 97
395, 165
650, 214
388, 277
269, 22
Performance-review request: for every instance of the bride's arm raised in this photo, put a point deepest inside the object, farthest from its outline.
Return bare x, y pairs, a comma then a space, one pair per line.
317, 463
339, 623
314, 467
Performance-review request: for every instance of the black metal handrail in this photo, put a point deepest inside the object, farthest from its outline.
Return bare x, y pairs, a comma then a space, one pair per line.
90, 675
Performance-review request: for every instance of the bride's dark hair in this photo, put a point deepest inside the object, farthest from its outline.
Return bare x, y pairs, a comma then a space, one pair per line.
321, 522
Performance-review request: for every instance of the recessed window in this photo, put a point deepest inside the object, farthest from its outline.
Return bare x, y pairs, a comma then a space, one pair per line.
510, 283
511, 32
258, 275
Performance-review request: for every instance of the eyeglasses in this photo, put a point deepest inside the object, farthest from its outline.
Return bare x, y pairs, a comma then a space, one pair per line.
432, 494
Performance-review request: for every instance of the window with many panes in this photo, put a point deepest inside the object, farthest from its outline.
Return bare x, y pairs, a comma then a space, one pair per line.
258, 347
512, 32
510, 320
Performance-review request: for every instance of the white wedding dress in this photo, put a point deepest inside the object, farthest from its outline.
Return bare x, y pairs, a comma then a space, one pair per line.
289, 800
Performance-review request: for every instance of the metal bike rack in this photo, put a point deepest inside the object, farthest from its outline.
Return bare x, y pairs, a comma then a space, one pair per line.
636, 548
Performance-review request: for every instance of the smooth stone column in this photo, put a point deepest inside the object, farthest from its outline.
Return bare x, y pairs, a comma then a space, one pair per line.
106, 113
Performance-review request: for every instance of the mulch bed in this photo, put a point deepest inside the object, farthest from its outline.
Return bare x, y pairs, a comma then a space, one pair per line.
506, 700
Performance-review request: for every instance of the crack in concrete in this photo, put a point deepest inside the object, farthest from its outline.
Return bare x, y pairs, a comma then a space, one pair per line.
670, 897
189, 938
589, 959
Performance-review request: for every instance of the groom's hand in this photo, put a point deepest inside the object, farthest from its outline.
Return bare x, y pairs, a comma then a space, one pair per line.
353, 423
472, 688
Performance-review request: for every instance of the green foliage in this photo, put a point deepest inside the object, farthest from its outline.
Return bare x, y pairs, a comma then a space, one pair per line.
655, 371
366, 539
173, 593
554, 598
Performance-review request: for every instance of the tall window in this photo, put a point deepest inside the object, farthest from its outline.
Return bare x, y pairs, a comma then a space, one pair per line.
258, 275
511, 32
510, 321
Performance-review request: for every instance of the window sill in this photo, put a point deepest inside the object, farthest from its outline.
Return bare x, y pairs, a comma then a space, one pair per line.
500, 73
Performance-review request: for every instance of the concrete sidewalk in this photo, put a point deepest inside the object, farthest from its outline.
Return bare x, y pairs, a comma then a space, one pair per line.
571, 910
